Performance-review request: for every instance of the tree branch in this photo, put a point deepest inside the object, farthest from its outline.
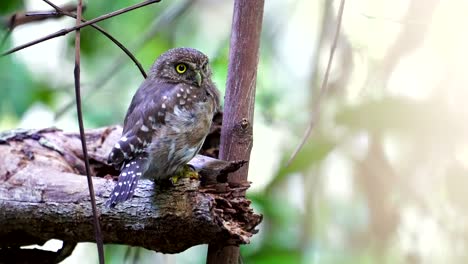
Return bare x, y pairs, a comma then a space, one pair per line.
43, 195
237, 130
21, 18
65, 31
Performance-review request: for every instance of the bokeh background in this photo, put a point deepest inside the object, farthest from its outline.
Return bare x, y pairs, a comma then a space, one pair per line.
382, 179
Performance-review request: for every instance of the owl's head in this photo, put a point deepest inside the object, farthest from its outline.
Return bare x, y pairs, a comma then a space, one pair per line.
185, 65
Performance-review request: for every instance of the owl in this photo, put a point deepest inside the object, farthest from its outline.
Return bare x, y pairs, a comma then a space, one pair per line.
167, 121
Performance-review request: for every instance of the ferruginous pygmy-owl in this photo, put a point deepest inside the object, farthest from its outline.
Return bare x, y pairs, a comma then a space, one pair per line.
167, 121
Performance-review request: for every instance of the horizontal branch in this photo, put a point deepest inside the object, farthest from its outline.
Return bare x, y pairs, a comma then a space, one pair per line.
21, 18
43, 195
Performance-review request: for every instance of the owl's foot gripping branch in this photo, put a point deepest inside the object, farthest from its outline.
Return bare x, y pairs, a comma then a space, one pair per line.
43, 195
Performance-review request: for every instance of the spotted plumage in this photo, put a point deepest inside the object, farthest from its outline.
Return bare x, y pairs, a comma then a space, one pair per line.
167, 121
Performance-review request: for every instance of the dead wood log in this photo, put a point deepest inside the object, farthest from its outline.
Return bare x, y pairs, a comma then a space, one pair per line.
43, 195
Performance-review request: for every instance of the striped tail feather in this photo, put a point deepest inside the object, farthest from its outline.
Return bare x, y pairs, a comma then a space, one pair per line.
126, 148
128, 179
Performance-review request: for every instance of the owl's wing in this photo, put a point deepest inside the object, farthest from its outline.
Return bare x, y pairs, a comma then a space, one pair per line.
145, 116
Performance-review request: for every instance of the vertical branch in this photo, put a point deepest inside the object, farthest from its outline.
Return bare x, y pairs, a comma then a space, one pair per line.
236, 136
236, 133
323, 88
77, 73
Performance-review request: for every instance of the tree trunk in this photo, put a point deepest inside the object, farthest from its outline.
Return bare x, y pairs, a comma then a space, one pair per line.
236, 134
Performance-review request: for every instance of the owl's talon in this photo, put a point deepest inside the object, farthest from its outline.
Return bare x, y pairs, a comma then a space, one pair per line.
190, 172
174, 179
193, 175
186, 172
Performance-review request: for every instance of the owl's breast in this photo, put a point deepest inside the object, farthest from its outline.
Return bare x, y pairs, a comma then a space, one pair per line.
191, 119
177, 141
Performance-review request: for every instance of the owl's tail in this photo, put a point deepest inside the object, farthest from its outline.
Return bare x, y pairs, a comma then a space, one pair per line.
128, 180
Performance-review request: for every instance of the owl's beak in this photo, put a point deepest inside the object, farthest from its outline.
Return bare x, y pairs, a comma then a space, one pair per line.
198, 78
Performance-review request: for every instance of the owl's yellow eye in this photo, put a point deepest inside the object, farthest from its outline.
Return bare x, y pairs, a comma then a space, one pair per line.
181, 68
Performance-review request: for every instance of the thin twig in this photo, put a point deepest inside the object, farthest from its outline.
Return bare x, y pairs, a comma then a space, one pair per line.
109, 36
161, 22
97, 228
65, 31
21, 18
315, 115
47, 14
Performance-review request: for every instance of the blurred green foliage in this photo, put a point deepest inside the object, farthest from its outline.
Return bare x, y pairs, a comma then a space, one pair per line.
9, 6
17, 93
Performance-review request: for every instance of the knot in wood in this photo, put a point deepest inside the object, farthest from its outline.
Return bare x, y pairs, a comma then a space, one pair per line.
242, 130
244, 123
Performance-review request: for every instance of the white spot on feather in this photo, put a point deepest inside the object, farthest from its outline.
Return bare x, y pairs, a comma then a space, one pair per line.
144, 128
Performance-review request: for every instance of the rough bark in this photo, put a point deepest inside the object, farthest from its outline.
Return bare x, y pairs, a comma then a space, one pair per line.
43, 195
237, 131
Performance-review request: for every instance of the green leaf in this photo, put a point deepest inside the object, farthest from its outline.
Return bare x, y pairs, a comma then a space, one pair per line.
8, 7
